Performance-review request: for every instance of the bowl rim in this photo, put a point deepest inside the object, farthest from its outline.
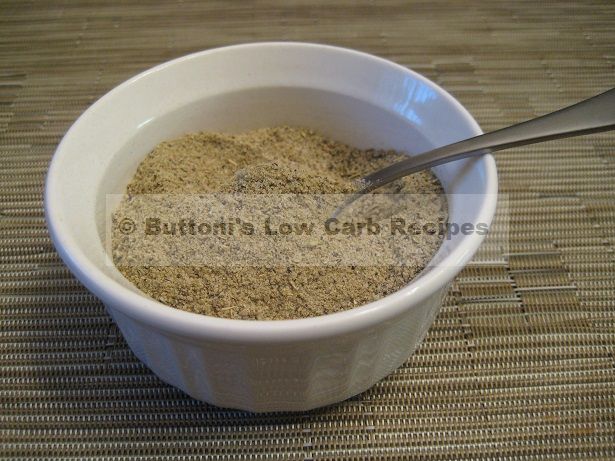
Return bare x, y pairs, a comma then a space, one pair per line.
192, 326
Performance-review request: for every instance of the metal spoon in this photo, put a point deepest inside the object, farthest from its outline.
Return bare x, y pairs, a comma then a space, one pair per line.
589, 116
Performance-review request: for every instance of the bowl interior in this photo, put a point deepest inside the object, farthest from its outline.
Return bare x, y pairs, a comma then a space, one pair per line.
348, 96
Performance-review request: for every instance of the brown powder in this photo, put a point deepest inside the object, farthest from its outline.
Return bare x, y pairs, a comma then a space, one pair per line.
280, 160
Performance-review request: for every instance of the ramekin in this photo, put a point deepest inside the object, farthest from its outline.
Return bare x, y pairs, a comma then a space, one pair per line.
350, 96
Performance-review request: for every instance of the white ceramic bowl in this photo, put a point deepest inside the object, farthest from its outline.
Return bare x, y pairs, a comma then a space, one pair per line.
344, 94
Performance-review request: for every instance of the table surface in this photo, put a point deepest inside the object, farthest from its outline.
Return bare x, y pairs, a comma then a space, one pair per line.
520, 361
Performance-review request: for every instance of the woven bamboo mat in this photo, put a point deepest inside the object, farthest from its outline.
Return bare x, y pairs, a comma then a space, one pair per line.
519, 364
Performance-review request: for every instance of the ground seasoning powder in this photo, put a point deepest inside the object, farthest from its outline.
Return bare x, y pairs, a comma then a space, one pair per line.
281, 160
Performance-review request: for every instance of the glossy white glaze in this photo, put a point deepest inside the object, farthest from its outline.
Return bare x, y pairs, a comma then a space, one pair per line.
350, 96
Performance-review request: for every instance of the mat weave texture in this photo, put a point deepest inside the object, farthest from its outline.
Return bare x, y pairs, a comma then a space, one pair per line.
520, 363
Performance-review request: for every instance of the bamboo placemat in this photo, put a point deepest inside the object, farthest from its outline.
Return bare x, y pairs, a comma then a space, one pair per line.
519, 364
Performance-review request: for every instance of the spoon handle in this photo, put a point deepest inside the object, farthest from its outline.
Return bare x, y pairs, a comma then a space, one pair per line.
588, 116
